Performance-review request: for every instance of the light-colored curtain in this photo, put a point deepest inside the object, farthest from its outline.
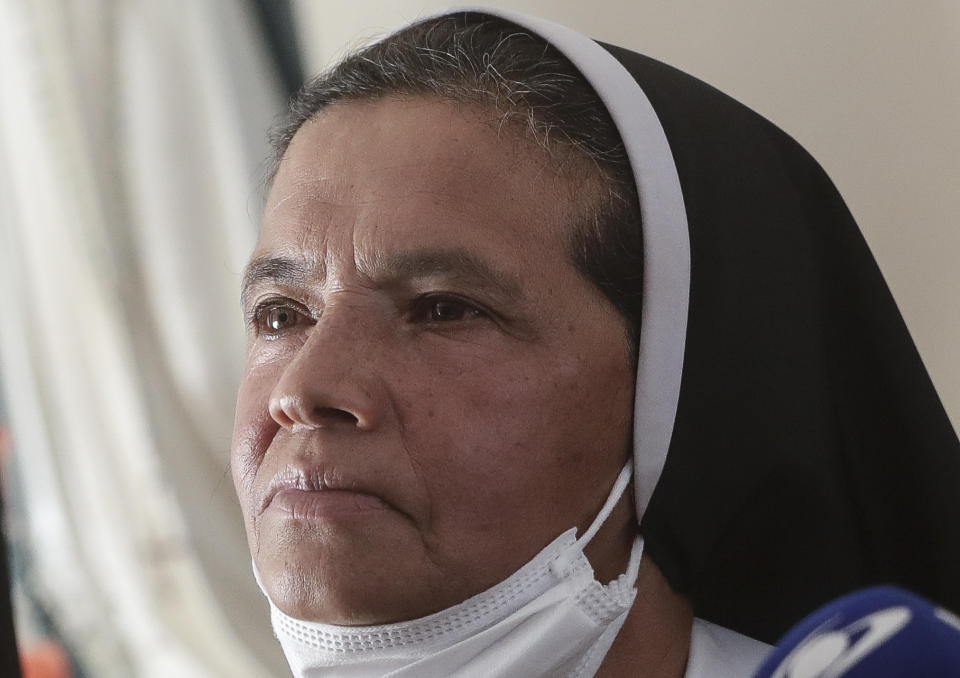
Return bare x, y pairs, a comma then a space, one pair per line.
131, 134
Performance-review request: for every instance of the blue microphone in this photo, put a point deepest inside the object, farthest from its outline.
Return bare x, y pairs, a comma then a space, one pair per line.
882, 631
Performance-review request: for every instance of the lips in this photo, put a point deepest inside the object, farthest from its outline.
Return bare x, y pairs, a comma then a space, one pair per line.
313, 506
310, 492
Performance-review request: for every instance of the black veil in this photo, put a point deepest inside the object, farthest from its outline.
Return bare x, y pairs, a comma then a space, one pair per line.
810, 453
805, 451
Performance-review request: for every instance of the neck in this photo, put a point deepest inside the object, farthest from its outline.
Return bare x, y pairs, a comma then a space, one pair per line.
655, 639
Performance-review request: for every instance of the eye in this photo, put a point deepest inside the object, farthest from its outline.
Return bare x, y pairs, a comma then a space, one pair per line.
444, 309
273, 318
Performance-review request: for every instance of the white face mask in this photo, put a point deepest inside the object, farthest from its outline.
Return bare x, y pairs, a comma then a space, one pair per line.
549, 618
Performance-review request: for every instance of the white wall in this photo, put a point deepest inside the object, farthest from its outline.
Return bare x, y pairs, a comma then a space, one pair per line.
871, 89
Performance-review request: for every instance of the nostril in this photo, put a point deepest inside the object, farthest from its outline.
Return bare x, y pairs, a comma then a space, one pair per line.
298, 411
279, 414
333, 414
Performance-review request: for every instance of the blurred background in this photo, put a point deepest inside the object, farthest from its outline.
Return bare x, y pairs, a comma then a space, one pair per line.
132, 135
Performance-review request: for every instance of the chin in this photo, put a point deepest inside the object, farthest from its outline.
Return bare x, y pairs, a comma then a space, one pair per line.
355, 589
308, 597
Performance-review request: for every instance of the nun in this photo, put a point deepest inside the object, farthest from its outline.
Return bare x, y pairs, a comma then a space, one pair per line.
563, 363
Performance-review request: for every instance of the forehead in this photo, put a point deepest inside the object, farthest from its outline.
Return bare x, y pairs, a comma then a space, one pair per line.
414, 171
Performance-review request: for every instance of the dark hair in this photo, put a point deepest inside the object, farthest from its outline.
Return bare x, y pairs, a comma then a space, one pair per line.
476, 59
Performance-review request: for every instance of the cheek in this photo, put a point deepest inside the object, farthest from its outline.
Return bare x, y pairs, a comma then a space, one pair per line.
253, 431
508, 436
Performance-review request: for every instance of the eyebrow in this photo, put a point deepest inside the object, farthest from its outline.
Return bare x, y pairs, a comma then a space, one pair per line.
457, 263
276, 269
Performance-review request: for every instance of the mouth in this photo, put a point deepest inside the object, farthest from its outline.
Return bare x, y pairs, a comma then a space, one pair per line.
314, 505
315, 494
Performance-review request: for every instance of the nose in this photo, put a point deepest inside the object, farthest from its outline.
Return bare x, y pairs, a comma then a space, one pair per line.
331, 382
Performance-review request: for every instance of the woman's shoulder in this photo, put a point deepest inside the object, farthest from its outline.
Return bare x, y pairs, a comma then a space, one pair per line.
718, 652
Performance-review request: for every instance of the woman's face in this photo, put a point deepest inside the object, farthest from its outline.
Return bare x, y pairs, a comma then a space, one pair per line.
433, 393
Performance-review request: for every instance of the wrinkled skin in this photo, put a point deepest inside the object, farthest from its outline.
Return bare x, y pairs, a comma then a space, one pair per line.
427, 347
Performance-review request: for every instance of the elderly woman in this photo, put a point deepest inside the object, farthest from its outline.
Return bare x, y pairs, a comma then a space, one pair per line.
563, 363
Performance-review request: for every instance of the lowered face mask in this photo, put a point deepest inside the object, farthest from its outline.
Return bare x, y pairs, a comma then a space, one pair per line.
549, 618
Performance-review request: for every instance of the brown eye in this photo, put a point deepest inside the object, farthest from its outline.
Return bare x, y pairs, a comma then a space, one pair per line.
280, 317
448, 310
274, 319
445, 309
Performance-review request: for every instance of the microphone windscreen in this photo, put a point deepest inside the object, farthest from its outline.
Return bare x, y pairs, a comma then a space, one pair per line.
879, 632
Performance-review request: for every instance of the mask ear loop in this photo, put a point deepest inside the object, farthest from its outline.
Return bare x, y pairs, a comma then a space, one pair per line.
633, 567
619, 487
563, 561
